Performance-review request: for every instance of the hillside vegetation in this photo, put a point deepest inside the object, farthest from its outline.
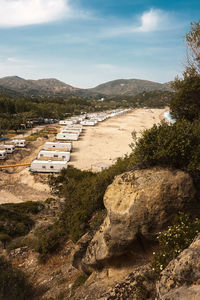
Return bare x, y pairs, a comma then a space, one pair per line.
129, 87
53, 87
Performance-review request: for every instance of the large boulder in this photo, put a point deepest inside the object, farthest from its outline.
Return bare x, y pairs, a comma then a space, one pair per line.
139, 204
181, 278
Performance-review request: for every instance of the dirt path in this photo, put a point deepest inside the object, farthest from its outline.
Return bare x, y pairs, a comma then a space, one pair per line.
18, 184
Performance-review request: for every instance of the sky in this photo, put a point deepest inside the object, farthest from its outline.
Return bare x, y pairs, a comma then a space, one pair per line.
88, 42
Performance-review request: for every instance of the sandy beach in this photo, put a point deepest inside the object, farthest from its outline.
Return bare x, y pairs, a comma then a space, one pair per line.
101, 145
97, 148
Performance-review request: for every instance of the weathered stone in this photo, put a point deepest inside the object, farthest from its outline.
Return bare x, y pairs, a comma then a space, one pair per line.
139, 204
180, 279
80, 250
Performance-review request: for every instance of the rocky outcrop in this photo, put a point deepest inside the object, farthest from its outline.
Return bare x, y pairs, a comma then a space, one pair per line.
181, 278
139, 204
79, 251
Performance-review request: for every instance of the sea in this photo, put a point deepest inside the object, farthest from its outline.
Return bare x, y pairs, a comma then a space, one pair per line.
167, 116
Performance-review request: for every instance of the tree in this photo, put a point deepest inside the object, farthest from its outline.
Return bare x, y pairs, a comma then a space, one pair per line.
15, 123
4, 238
193, 44
186, 102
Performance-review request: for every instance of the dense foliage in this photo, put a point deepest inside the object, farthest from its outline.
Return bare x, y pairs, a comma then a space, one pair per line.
186, 102
16, 220
174, 240
13, 283
175, 146
83, 191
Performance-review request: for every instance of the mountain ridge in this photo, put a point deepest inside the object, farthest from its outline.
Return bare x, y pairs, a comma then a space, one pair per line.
54, 87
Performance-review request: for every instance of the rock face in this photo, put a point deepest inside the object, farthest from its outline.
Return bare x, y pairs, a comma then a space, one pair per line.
139, 204
181, 278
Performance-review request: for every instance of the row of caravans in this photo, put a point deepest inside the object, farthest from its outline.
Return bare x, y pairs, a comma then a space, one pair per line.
91, 119
9, 147
70, 132
53, 158
55, 155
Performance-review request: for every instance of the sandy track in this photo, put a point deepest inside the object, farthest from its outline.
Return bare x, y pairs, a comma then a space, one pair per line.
101, 145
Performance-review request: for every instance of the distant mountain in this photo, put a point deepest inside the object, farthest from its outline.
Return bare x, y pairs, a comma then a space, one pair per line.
53, 87
129, 87
42, 87
9, 93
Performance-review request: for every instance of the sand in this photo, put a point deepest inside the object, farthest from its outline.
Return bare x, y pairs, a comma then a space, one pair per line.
101, 145
97, 148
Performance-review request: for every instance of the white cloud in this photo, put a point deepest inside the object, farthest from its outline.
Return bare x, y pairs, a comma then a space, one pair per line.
149, 21
27, 12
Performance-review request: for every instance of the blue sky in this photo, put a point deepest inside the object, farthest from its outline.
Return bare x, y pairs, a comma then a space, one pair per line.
88, 42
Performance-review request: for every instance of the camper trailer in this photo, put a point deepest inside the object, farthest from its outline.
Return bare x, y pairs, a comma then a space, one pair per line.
71, 130
89, 123
3, 154
47, 166
54, 155
77, 126
9, 148
19, 143
57, 146
67, 122
67, 136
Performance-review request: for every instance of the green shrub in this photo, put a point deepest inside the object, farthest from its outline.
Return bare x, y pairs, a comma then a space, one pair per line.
79, 281
174, 240
176, 146
4, 238
13, 283
15, 219
49, 241
97, 219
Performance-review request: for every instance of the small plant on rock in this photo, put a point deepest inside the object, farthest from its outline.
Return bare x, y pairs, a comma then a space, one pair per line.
174, 240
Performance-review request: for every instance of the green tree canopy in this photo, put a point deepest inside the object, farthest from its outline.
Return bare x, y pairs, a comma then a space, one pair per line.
186, 102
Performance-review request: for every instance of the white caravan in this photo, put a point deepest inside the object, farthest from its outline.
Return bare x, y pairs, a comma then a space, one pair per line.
71, 130
54, 155
48, 166
57, 146
67, 136
19, 143
9, 148
66, 122
88, 122
3, 154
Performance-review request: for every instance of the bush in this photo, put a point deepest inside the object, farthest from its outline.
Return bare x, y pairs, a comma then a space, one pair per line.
13, 283
174, 240
15, 219
165, 145
79, 281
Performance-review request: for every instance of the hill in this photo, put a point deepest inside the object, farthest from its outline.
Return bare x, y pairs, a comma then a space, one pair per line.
52, 87
129, 87
9, 93
42, 87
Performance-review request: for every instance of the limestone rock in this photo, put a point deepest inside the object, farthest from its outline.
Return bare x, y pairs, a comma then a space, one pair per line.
181, 278
139, 204
80, 250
